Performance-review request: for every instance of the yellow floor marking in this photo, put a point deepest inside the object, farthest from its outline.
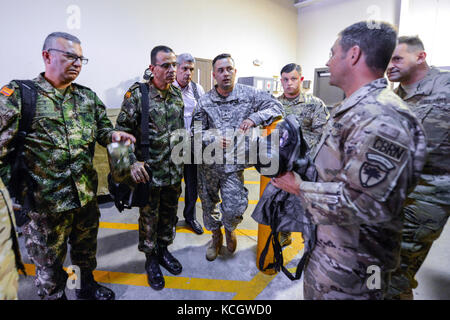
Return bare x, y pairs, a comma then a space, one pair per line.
245, 290
260, 281
245, 182
172, 282
120, 226
180, 229
181, 199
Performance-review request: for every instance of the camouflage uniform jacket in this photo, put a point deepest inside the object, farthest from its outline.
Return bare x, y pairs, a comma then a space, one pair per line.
371, 154
166, 117
429, 99
227, 113
60, 147
312, 114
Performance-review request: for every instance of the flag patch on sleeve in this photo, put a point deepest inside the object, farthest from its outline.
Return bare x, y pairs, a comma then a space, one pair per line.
6, 91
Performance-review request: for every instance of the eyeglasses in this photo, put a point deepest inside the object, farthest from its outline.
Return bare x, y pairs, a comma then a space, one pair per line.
167, 65
72, 57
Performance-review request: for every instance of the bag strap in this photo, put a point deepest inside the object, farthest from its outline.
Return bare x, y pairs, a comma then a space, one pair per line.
278, 263
145, 144
28, 94
195, 90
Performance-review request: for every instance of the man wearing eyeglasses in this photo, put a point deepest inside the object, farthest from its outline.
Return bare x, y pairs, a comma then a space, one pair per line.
58, 152
158, 218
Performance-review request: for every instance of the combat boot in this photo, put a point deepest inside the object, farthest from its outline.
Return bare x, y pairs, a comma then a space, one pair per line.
216, 243
155, 277
91, 290
168, 261
230, 237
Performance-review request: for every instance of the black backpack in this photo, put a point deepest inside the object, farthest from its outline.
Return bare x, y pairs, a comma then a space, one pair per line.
123, 195
21, 185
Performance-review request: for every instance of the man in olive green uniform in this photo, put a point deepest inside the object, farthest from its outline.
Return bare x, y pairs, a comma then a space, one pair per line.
9, 248
311, 112
58, 153
371, 154
427, 92
158, 218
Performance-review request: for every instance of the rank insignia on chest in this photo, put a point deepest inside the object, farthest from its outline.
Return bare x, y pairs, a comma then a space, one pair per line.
6, 91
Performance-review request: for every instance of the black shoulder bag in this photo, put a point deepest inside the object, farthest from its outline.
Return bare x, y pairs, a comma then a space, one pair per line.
21, 185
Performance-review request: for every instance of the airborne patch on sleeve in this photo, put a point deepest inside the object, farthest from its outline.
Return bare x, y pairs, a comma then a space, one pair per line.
6, 91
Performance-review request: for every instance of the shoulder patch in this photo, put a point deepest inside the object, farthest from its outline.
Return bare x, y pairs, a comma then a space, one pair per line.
135, 86
6, 91
388, 148
376, 165
375, 170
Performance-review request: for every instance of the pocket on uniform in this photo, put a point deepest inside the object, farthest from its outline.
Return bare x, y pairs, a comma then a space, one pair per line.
88, 127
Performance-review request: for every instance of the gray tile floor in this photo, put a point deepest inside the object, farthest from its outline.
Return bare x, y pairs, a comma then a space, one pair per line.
121, 265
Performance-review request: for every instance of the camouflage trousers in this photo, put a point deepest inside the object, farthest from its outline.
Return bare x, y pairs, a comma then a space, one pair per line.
158, 219
232, 191
46, 237
423, 223
327, 279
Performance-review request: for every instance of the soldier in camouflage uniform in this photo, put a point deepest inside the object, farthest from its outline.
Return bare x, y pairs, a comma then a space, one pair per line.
311, 113
158, 218
58, 151
10, 259
427, 92
237, 108
370, 155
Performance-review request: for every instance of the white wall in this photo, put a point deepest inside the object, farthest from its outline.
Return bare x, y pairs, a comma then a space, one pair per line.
118, 35
320, 22
430, 20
